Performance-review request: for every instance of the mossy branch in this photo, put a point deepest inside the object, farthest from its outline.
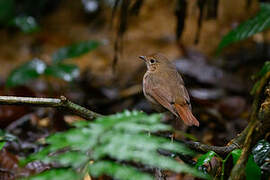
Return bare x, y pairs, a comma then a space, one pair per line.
258, 127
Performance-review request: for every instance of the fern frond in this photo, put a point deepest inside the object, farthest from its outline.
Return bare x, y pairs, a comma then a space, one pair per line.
122, 137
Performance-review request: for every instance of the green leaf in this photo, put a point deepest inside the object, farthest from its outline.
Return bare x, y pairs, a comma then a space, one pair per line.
236, 154
205, 158
67, 72
2, 144
137, 153
259, 23
117, 170
113, 121
261, 151
68, 159
37, 156
75, 139
56, 174
253, 171
74, 50
137, 142
135, 127
6, 10
26, 24
26, 72
113, 137
4, 136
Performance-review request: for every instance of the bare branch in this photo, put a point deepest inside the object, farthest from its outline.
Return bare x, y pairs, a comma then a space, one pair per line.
220, 150
61, 102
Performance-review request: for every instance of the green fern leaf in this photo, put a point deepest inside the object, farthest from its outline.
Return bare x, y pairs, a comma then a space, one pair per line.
123, 137
117, 170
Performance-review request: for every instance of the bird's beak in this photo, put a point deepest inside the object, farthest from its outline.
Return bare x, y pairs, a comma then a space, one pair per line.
142, 57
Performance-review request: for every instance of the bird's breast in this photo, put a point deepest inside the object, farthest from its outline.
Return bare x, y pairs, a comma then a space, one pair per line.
147, 86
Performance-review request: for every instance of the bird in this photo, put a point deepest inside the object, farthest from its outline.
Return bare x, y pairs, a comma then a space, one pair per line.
164, 88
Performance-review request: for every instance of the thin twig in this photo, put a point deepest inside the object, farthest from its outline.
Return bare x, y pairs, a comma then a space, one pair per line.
220, 150
61, 102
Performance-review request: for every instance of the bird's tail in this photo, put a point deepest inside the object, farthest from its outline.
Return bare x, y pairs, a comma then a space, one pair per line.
186, 115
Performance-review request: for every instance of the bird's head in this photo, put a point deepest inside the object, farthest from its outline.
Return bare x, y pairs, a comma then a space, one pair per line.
155, 61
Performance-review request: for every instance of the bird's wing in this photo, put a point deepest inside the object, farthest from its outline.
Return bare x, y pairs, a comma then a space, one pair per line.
179, 110
161, 94
184, 97
180, 106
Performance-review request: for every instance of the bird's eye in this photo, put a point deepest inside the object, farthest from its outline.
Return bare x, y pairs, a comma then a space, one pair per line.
152, 61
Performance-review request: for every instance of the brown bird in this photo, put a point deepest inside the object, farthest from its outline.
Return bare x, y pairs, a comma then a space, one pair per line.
164, 87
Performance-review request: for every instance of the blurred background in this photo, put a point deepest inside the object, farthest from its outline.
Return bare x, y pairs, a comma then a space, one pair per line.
88, 51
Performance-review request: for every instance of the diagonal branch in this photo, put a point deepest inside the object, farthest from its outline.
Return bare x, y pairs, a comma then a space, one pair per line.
223, 151
61, 102
258, 126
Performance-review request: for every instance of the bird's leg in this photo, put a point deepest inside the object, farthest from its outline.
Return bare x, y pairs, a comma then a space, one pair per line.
166, 119
172, 136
